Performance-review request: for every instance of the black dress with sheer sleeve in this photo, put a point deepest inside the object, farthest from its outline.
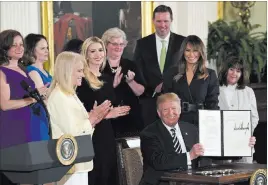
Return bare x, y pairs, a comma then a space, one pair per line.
103, 136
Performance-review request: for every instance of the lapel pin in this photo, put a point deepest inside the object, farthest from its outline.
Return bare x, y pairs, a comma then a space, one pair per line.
186, 133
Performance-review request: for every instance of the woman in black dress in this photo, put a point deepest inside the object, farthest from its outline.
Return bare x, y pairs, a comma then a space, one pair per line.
95, 89
196, 85
127, 83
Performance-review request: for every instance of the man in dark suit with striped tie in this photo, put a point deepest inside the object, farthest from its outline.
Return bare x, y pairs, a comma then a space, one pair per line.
168, 144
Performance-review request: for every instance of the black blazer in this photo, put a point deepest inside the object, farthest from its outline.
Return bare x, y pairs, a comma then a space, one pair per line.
146, 58
158, 151
200, 91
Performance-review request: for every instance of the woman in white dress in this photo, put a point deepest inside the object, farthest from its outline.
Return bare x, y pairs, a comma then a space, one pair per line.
235, 95
67, 113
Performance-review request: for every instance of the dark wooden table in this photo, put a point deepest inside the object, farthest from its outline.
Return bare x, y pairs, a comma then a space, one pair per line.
242, 173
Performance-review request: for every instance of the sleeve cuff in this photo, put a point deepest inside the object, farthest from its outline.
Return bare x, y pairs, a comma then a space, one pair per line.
189, 163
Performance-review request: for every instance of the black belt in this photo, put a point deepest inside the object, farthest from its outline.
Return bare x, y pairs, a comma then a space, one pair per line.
187, 107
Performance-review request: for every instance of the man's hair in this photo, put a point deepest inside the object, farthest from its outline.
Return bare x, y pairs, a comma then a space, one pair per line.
167, 97
163, 9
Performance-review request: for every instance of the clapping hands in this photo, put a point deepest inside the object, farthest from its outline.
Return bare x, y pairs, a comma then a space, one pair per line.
130, 76
118, 77
99, 112
118, 111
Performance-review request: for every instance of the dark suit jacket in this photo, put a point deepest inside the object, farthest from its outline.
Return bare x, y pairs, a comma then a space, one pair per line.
158, 151
146, 58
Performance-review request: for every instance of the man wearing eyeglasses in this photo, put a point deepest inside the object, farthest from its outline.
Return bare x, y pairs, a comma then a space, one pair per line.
154, 54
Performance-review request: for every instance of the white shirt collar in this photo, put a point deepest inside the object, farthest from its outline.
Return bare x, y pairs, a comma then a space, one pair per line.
166, 39
168, 127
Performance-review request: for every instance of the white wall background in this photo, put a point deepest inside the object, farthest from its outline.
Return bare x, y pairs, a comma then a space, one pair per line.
191, 18
21, 16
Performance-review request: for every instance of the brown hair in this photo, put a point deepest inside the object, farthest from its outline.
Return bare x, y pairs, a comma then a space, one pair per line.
6, 42
198, 45
233, 62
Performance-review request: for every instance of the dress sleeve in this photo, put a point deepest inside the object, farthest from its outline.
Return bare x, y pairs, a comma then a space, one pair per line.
61, 116
212, 100
253, 108
64, 119
85, 94
138, 74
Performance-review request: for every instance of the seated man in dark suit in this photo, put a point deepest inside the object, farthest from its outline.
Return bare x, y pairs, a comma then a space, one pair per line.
168, 144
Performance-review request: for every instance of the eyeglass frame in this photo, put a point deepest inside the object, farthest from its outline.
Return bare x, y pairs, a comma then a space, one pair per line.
114, 44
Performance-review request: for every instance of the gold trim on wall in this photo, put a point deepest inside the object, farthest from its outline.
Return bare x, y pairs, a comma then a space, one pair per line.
48, 32
220, 9
147, 8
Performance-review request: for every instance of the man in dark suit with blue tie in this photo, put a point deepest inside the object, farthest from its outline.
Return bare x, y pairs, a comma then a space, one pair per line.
168, 144
154, 54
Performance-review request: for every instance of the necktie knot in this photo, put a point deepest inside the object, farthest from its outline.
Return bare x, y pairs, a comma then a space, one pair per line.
163, 43
173, 132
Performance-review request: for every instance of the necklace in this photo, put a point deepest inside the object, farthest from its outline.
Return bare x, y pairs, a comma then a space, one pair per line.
114, 70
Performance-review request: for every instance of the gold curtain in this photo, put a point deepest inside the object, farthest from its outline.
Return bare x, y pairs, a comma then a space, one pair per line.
220, 9
47, 30
147, 8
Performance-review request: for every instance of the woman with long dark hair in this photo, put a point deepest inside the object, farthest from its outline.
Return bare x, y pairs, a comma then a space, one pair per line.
195, 84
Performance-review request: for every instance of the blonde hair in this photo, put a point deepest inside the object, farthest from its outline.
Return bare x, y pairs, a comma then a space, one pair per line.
93, 81
64, 66
113, 33
167, 97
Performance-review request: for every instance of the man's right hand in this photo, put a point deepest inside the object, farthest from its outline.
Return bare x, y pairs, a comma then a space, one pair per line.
158, 88
99, 112
196, 151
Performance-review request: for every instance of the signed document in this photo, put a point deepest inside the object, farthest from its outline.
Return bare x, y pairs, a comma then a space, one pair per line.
225, 133
237, 131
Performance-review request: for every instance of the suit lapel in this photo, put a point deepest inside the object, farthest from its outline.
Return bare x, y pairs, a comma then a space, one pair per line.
166, 135
168, 61
185, 136
169, 51
155, 58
